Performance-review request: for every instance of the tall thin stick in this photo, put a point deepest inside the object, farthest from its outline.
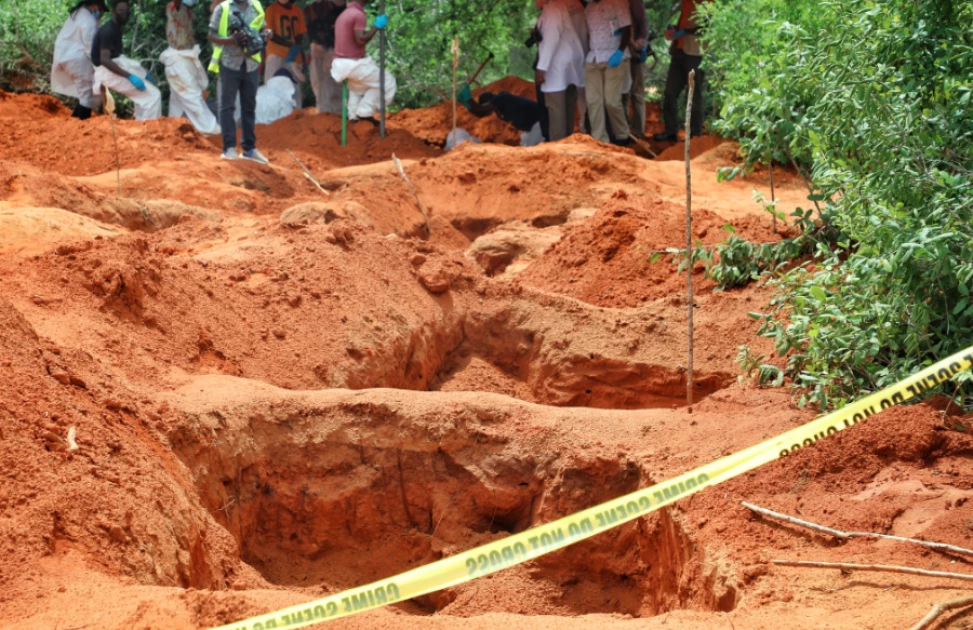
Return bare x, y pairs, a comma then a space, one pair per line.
837, 533
873, 567
939, 609
381, 74
415, 193
455, 50
689, 233
773, 196
110, 108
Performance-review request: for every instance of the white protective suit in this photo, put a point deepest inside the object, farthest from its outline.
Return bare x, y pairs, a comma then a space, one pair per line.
73, 73
187, 84
148, 104
275, 100
364, 100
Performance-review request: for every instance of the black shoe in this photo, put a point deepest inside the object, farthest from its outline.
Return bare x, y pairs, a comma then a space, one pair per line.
624, 142
665, 137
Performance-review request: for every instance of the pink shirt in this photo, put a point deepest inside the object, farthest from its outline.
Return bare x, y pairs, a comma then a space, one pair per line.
351, 19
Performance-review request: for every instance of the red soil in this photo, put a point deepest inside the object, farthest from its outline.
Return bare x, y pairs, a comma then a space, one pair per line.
278, 393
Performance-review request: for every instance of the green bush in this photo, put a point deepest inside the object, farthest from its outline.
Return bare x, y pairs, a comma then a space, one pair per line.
876, 95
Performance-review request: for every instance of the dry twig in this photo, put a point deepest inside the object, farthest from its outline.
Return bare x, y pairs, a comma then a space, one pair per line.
415, 193
837, 533
110, 108
308, 175
846, 566
939, 609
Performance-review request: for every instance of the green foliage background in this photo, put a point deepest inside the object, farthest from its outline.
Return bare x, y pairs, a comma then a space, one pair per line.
420, 35
872, 101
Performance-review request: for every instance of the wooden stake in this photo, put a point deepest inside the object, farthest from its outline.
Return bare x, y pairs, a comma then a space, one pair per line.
689, 234
110, 108
415, 193
939, 609
837, 533
455, 50
845, 566
773, 197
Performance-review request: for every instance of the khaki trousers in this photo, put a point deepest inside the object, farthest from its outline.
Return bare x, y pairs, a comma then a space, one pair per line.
603, 89
326, 90
636, 98
562, 108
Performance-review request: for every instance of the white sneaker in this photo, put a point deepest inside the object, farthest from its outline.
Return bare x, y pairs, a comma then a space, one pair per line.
256, 156
230, 154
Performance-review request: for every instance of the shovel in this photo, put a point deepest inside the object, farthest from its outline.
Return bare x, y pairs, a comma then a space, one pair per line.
465, 93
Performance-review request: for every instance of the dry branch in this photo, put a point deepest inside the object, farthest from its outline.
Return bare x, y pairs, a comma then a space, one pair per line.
939, 609
110, 108
415, 193
307, 174
846, 566
837, 533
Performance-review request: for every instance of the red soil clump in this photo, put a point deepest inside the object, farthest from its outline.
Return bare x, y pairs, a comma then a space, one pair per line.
608, 260
697, 147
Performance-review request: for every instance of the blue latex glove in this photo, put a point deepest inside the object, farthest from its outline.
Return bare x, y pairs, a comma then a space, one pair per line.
616, 59
292, 54
151, 79
644, 54
137, 82
381, 22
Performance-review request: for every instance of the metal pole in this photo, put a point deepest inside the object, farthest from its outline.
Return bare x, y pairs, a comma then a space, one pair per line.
381, 74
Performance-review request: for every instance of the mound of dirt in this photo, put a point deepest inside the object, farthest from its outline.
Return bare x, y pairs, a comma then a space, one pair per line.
317, 138
433, 124
608, 260
84, 147
27, 230
697, 147
21, 106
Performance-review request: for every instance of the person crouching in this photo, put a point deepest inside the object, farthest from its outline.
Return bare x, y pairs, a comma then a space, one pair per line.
115, 71
352, 64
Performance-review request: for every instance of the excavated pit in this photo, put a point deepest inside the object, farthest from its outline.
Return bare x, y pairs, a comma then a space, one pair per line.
339, 494
514, 350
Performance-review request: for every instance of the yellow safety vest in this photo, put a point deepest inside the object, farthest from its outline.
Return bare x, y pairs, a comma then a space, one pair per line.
257, 24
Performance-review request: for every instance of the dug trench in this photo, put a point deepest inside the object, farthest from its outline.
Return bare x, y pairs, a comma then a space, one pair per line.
341, 489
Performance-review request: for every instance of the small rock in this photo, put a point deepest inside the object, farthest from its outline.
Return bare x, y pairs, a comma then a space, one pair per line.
434, 278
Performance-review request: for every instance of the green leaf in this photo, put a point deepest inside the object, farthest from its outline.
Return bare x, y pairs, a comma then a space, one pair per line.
818, 293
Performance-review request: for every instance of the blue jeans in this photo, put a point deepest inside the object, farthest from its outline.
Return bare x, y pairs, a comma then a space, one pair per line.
242, 83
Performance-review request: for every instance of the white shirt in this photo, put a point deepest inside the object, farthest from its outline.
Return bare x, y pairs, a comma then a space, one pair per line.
561, 53
75, 38
604, 19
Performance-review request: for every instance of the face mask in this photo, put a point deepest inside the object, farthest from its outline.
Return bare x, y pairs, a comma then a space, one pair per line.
96, 14
122, 18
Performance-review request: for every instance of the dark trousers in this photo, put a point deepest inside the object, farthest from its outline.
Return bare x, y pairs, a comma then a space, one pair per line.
676, 82
242, 83
81, 112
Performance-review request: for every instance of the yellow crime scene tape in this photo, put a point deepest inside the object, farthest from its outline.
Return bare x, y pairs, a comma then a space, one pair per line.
544, 539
